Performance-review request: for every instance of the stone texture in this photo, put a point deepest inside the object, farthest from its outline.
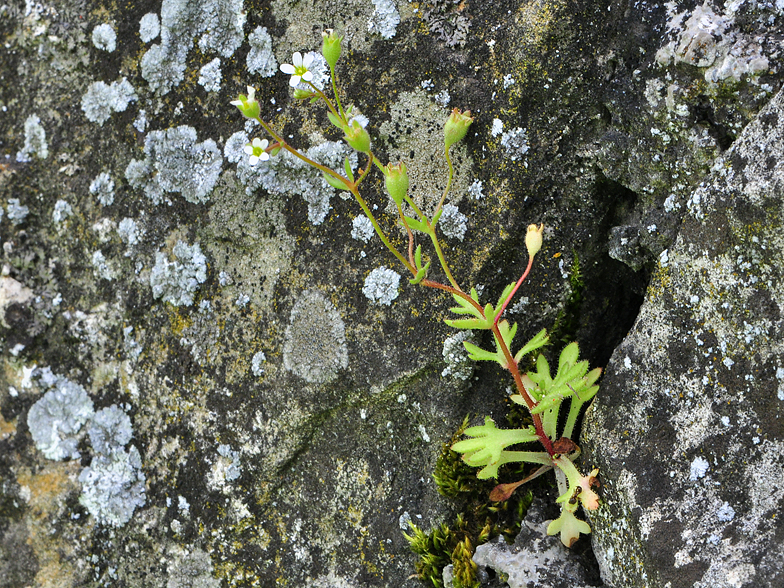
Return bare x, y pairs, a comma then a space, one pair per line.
689, 429
266, 478
535, 560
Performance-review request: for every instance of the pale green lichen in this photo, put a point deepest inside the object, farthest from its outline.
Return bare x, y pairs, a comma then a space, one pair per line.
315, 346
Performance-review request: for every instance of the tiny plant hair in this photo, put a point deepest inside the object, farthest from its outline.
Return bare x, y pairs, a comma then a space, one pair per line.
540, 392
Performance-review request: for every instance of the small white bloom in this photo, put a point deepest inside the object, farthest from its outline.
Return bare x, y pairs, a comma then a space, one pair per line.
298, 71
249, 98
256, 151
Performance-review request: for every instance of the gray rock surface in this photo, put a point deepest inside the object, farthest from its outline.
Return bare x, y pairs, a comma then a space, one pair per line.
536, 559
163, 294
689, 429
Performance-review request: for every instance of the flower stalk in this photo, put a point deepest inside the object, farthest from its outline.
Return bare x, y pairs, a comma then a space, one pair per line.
538, 391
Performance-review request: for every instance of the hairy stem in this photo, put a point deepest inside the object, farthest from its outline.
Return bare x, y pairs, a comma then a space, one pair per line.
379, 231
333, 77
304, 158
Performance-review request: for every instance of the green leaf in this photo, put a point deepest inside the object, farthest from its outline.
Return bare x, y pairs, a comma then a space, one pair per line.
569, 356
416, 225
539, 340
466, 323
466, 307
505, 294
336, 121
489, 441
418, 256
507, 333
436, 217
479, 354
347, 167
421, 274
548, 402
542, 374
569, 526
334, 182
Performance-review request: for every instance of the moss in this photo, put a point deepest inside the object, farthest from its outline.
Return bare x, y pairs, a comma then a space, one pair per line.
479, 520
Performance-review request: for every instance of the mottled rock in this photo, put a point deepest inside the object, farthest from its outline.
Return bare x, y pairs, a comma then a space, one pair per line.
536, 559
689, 427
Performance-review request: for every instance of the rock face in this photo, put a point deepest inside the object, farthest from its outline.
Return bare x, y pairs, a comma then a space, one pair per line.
213, 373
535, 558
689, 430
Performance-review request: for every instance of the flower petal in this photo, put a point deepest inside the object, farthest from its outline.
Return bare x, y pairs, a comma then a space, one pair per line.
307, 60
256, 142
307, 76
263, 143
294, 81
287, 68
297, 59
253, 160
264, 156
248, 149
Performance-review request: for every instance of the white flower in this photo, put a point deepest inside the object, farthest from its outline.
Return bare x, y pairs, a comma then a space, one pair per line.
256, 150
242, 101
298, 71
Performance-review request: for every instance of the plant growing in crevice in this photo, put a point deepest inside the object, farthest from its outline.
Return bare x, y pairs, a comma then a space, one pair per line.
539, 392
479, 520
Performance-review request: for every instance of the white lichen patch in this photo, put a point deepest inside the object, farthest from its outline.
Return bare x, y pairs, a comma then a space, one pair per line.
362, 229
104, 38
57, 418
176, 162
382, 286
515, 143
102, 269
103, 188
384, 19
176, 281
453, 223
17, 212
475, 190
458, 364
113, 487
257, 364
35, 140
130, 233
109, 430
149, 27
102, 99
210, 76
62, 210
261, 59
315, 345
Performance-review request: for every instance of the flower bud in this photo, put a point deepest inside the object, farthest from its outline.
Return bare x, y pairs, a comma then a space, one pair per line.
456, 126
533, 239
248, 105
300, 94
396, 181
330, 49
357, 137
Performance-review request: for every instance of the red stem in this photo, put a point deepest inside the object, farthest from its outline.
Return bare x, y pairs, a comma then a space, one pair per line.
514, 290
